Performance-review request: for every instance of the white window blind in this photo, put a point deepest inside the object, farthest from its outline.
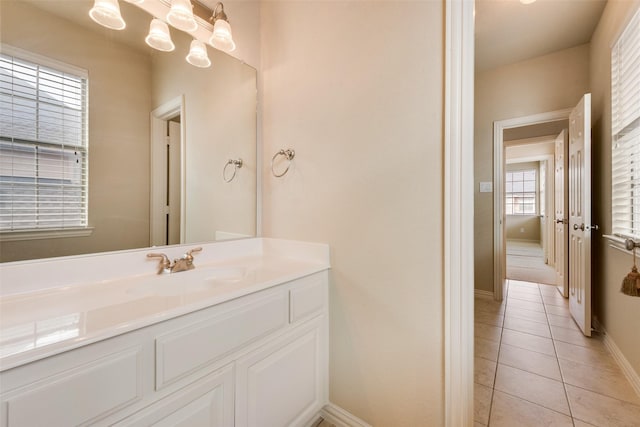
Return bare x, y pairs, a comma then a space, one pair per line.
625, 126
43, 143
521, 192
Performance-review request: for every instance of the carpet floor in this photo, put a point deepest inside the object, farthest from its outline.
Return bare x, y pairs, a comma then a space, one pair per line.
525, 261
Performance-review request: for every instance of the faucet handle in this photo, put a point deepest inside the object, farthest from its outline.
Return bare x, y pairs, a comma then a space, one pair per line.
164, 264
189, 255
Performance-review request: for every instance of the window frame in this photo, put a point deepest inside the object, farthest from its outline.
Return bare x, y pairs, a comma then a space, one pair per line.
56, 232
523, 194
625, 135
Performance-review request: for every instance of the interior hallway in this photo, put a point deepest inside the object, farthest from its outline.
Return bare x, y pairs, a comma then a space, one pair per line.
525, 261
533, 367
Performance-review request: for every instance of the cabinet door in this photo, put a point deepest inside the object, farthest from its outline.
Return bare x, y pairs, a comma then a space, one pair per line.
206, 403
283, 383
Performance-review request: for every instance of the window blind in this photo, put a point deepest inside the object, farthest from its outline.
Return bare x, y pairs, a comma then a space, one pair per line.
625, 127
43, 143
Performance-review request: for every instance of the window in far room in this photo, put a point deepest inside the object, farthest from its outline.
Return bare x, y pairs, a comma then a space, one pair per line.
521, 192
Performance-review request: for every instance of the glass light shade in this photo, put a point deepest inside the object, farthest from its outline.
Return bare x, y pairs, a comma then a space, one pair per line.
221, 37
527, 1
107, 14
159, 37
181, 16
198, 55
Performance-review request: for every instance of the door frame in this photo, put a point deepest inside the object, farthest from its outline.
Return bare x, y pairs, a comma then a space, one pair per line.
166, 111
458, 212
499, 233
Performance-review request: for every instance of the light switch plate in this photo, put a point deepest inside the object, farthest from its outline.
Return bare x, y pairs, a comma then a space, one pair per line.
486, 187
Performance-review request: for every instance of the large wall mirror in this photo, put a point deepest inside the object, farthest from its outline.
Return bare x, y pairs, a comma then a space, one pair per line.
160, 132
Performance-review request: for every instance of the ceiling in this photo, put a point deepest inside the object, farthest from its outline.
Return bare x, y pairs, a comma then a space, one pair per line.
534, 131
507, 31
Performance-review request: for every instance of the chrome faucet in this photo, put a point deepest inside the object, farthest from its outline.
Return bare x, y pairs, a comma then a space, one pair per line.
183, 263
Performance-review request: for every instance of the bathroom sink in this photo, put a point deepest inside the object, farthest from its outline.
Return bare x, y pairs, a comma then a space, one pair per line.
167, 288
226, 274
197, 280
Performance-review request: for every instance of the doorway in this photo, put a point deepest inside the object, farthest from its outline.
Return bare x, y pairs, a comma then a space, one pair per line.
527, 132
529, 225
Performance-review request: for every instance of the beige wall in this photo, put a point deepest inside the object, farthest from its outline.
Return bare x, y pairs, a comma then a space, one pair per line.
119, 105
523, 227
220, 122
548, 83
361, 103
617, 312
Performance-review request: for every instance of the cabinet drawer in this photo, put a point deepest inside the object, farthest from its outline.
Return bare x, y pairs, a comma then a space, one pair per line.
176, 354
206, 403
79, 396
308, 297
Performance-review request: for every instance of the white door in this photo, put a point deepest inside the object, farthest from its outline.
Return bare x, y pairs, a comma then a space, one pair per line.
550, 228
173, 184
165, 182
580, 214
561, 222
542, 203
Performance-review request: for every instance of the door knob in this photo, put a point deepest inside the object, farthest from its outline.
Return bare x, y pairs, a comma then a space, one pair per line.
576, 226
593, 227
561, 221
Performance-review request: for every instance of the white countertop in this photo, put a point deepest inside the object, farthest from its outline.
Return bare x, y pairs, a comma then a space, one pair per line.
44, 321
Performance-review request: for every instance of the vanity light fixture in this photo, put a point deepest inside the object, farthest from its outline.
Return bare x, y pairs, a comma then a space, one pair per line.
221, 37
159, 37
181, 16
107, 14
527, 1
198, 55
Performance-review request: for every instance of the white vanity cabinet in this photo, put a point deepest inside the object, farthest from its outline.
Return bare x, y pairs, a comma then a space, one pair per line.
257, 360
207, 403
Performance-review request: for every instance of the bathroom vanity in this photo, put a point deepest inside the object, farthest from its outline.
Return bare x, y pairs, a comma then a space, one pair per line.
241, 340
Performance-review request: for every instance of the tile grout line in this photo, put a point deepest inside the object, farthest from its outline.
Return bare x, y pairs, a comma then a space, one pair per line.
495, 374
555, 350
555, 356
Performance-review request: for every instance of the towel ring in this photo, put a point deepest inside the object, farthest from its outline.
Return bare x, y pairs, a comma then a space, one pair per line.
288, 154
237, 164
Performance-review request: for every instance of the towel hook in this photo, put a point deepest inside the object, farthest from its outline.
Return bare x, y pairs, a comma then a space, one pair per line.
288, 154
237, 164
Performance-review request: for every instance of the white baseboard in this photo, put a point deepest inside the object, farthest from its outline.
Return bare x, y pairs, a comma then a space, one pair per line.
483, 293
539, 242
622, 361
341, 418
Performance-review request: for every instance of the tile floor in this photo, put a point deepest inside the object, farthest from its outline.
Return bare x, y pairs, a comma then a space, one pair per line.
533, 366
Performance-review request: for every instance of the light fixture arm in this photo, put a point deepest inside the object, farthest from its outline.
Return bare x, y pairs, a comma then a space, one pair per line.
218, 14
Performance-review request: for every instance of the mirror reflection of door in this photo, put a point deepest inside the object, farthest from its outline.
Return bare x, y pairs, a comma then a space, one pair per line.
173, 182
166, 184
167, 174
